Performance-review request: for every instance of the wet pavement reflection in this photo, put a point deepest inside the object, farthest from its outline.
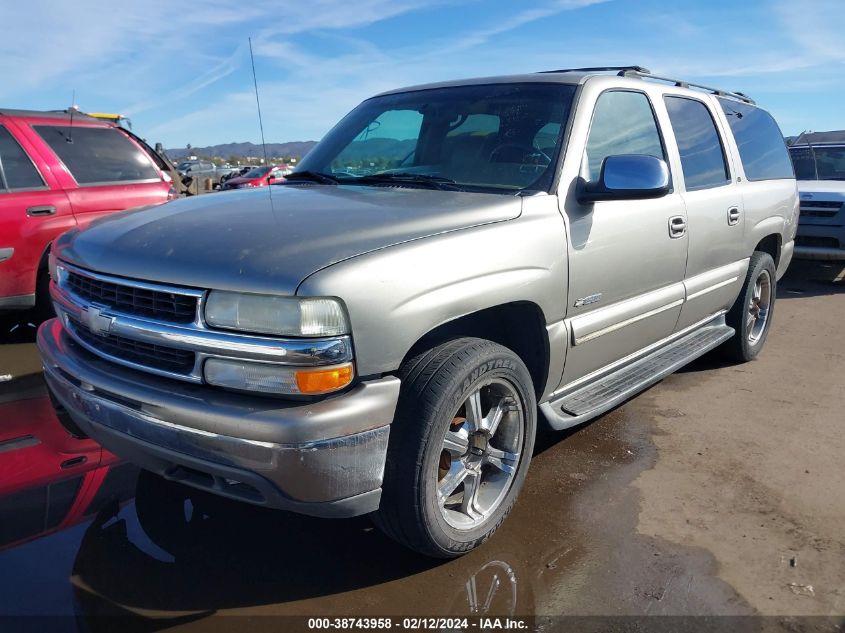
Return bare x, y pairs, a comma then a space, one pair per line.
82, 534
106, 539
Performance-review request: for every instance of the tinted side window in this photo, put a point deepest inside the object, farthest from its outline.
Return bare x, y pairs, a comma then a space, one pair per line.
760, 142
702, 156
18, 169
623, 123
98, 154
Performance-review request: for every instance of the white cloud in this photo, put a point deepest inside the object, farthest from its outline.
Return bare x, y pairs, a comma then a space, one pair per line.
316, 90
816, 27
155, 48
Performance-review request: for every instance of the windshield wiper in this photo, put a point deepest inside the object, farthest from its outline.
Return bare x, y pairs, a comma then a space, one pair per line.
426, 180
311, 176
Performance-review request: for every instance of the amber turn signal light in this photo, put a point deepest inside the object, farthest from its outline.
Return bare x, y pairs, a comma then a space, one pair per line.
317, 381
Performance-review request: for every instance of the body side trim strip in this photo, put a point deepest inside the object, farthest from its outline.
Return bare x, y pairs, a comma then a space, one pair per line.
575, 384
627, 322
708, 289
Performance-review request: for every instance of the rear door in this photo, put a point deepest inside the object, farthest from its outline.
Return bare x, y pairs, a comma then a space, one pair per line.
112, 172
33, 211
716, 262
626, 263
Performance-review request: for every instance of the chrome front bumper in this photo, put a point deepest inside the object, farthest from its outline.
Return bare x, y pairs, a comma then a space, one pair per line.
323, 458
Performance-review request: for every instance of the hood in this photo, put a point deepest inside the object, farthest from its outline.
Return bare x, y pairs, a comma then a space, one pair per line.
270, 239
821, 187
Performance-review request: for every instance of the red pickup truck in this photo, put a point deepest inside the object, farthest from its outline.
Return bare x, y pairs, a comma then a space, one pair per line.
59, 170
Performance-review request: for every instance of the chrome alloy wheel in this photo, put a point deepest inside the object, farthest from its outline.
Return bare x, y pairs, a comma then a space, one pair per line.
480, 454
759, 307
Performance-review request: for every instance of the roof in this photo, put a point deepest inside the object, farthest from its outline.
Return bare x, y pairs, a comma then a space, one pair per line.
575, 76
820, 138
62, 115
562, 78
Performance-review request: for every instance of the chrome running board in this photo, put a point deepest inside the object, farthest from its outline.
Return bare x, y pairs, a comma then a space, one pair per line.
603, 394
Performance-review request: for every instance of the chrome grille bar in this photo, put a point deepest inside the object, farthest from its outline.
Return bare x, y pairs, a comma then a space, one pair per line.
164, 348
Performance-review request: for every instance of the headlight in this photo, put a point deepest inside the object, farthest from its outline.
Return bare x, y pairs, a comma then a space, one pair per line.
269, 314
272, 378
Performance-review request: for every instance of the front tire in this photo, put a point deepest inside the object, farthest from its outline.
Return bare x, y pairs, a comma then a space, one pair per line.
751, 315
460, 446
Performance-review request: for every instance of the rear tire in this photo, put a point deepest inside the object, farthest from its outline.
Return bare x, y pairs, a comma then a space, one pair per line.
460, 447
751, 314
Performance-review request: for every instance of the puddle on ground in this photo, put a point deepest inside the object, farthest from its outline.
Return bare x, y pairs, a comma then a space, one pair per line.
117, 542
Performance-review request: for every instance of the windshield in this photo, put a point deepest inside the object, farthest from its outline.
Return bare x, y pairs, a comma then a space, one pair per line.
496, 138
257, 172
819, 162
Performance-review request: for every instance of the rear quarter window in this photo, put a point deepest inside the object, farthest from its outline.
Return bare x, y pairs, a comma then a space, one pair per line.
699, 144
98, 155
761, 146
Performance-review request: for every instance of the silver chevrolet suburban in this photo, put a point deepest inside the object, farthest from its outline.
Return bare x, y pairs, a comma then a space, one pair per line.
450, 266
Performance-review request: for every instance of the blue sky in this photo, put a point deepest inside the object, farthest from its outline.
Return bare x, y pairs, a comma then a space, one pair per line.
181, 70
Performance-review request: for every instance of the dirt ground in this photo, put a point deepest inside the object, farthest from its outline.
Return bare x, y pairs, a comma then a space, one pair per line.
750, 458
717, 492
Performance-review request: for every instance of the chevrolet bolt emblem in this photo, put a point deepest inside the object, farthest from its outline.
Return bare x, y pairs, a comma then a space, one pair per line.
97, 322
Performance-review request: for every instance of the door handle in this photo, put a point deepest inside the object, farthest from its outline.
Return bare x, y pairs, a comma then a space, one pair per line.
46, 209
733, 216
677, 226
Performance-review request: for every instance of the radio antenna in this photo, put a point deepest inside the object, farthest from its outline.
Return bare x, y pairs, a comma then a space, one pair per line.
258, 103
72, 108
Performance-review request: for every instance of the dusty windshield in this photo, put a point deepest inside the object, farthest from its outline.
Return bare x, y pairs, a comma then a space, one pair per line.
819, 162
497, 138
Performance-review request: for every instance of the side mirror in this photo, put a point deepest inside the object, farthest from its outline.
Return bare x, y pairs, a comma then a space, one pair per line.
627, 177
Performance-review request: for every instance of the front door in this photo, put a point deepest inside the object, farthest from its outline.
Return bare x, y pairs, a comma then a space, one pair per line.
33, 211
627, 258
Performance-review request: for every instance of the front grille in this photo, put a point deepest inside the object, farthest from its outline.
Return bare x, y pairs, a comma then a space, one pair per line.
146, 354
822, 204
820, 209
819, 242
171, 307
815, 213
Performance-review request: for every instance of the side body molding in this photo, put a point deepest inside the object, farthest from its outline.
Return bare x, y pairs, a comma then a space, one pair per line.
611, 318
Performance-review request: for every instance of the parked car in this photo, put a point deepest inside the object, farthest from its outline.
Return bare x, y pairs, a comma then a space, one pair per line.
238, 171
380, 343
256, 177
198, 169
819, 160
59, 171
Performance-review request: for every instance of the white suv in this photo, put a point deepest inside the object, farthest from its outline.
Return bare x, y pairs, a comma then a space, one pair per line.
819, 160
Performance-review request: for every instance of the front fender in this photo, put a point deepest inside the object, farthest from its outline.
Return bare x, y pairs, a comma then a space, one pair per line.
396, 295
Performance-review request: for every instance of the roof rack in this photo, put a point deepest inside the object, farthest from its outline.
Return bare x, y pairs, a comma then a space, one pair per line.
680, 83
644, 73
48, 114
596, 69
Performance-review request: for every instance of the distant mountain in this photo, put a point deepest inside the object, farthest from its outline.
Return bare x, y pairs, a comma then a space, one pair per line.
366, 150
294, 148
379, 148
